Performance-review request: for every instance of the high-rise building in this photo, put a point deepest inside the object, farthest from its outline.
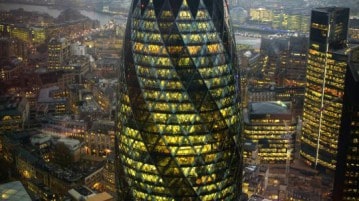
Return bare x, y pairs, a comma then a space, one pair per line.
325, 84
330, 132
346, 182
179, 116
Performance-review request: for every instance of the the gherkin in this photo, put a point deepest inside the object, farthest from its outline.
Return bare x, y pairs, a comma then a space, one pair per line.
179, 118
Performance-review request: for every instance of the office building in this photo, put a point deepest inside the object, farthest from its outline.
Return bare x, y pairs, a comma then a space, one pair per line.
262, 15
178, 108
100, 139
14, 113
346, 182
272, 127
11, 69
59, 53
295, 67
329, 139
325, 83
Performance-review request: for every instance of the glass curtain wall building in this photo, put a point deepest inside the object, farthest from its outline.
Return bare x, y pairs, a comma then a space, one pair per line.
346, 182
179, 117
330, 138
323, 101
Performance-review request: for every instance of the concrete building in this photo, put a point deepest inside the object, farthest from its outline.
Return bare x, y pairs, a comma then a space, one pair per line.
51, 101
59, 53
14, 113
10, 68
100, 138
83, 193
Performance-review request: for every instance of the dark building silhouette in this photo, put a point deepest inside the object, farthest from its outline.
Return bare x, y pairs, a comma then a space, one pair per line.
331, 130
346, 183
179, 118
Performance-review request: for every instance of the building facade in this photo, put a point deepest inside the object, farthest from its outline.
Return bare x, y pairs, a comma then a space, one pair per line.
330, 131
346, 182
272, 126
59, 53
323, 101
14, 113
178, 107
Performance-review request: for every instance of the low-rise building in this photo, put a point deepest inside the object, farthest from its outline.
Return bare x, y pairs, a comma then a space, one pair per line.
250, 153
10, 68
83, 193
14, 113
51, 100
100, 139
65, 126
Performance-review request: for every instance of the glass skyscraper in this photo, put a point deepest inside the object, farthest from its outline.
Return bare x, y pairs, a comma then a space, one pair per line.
179, 117
323, 101
346, 181
330, 138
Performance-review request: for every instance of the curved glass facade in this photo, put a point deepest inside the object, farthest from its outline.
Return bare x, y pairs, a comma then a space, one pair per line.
179, 118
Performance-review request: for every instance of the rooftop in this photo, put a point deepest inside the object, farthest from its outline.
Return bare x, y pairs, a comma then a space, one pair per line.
40, 139
330, 9
45, 95
269, 107
72, 144
14, 191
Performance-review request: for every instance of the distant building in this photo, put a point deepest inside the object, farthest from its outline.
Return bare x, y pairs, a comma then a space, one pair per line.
261, 15
83, 193
272, 126
59, 79
292, 19
59, 53
14, 113
250, 153
273, 58
78, 66
78, 49
4, 47
294, 94
249, 67
73, 145
43, 143
10, 68
109, 178
100, 139
297, 20
252, 181
354, 30
51, 100
65, 126
295, 66
48, 177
